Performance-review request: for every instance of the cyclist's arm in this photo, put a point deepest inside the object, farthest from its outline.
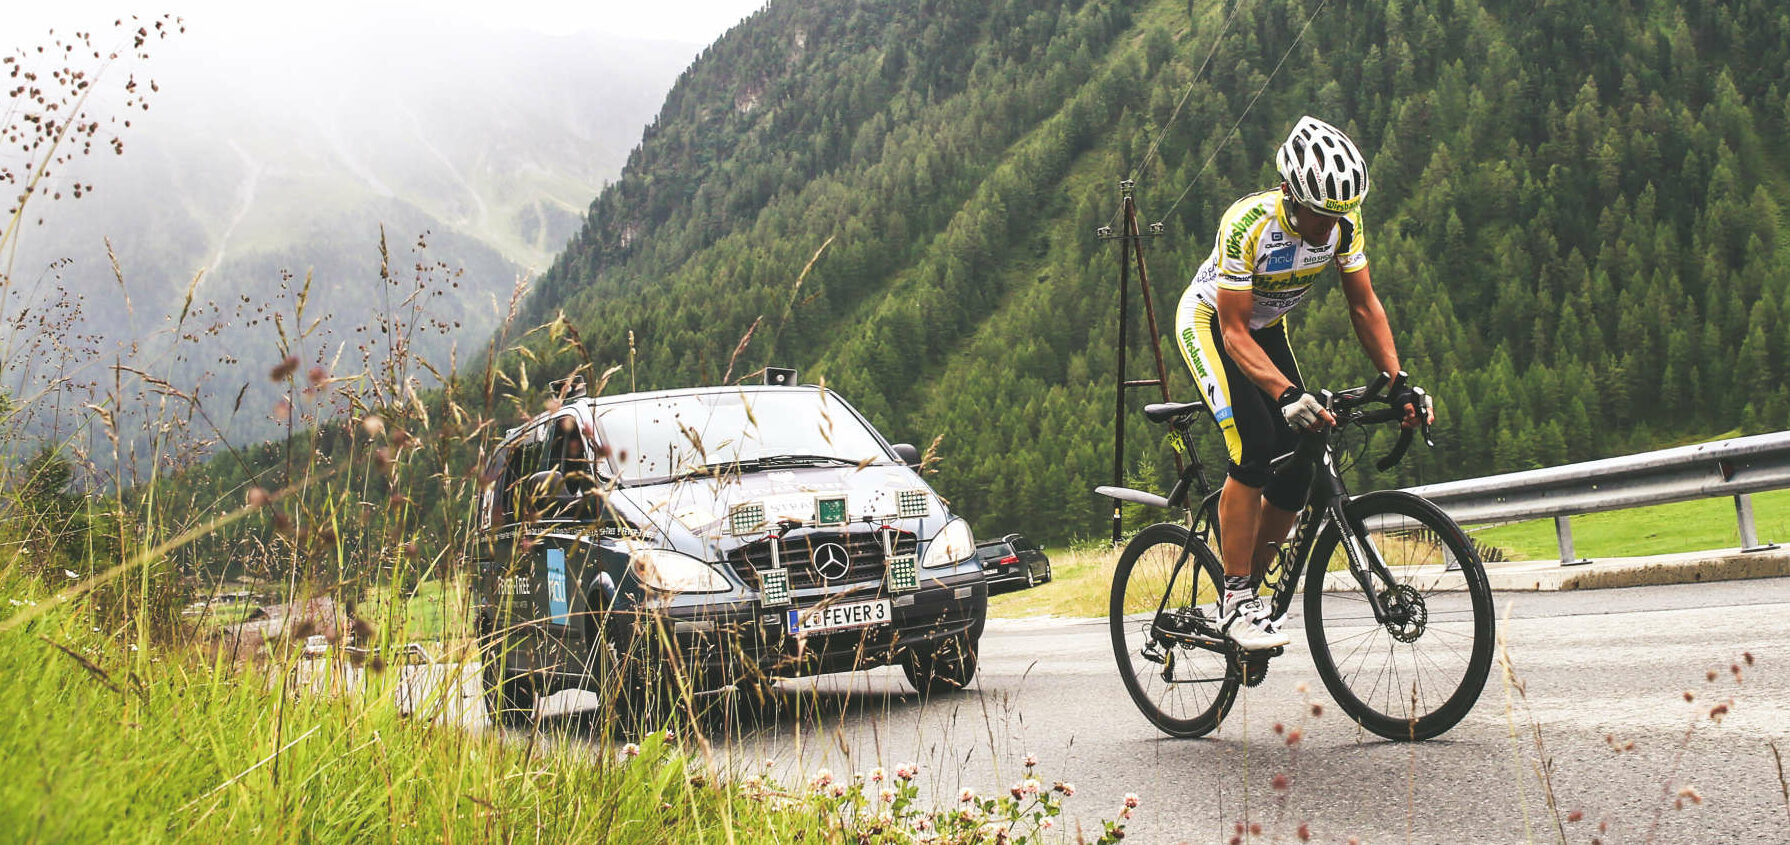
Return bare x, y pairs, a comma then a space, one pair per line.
1369, 317
1371, 326
1234, 309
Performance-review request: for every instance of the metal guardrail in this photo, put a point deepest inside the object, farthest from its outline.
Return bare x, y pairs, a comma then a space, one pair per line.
1737, 467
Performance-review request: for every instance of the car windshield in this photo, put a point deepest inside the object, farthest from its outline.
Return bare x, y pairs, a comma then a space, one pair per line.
663, 437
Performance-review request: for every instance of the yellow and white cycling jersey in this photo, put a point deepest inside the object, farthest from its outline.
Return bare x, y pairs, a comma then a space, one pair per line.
1258, 250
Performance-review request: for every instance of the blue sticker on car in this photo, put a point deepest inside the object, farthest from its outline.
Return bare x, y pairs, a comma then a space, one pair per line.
559, 610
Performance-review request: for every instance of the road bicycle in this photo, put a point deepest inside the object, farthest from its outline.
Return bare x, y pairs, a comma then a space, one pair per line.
1397, 611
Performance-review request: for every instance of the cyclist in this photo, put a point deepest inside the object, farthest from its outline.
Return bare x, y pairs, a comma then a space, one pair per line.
1231, 328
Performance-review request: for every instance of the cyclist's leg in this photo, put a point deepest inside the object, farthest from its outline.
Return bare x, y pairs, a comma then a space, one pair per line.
1239, 505
1246, 418
1284, 495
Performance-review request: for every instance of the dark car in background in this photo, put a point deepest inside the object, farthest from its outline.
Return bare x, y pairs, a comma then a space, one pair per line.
648, 546
1013, 563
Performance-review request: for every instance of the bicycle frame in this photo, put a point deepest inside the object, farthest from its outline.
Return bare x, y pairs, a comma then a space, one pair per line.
1324, 505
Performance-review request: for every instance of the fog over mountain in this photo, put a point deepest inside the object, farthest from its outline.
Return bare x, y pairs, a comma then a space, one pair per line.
259, 164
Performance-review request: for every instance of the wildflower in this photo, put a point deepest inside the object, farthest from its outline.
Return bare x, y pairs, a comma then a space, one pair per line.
907, 771
877, 775
966, 795
670, 735
753, 782
838, 790
1068, 789
1017, 791
1047, 824
823, 778
1131, 801
1031, 786
887, 795
630, 751
1031, 760
923, 824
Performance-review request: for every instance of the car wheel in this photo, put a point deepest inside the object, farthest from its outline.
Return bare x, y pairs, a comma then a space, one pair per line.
1047, 574
1031, 577
510, 697
946, 665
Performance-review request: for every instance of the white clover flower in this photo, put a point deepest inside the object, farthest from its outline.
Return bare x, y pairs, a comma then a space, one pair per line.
966, 795
887, 795
1031, 786
907, 771
877, 775
1131, 801
822, 778
630, 751
1031, 760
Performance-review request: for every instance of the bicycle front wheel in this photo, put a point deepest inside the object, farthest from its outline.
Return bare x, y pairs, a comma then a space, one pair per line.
1163, 618
1416, 672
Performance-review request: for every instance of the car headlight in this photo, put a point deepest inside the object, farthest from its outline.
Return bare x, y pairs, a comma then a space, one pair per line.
674, 572
953, 544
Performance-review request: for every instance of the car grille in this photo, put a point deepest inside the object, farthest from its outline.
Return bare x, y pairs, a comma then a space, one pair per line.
863, 549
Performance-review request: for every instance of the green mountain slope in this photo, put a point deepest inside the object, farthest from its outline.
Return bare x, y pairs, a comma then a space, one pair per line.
1575, 223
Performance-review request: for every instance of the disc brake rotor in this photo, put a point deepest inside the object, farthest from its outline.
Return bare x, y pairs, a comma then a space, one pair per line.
1406, 614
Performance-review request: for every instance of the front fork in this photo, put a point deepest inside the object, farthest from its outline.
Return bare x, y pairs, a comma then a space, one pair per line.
1365, 563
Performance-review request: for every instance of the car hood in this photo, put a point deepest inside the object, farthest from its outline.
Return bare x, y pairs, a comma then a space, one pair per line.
691, 515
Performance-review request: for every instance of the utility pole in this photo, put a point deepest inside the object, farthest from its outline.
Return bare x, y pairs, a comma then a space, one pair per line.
1131, 250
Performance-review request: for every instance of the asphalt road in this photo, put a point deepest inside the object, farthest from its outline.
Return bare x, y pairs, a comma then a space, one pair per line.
1596, 670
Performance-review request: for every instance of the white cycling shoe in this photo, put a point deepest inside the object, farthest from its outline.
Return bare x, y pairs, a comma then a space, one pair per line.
1251, 628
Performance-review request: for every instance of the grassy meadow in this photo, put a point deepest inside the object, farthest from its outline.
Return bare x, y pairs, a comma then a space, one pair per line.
1657, 530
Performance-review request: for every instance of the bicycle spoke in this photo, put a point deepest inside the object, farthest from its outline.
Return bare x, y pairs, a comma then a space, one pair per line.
1414, 668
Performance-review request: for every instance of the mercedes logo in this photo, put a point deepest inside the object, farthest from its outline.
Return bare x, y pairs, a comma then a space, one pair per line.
831, 561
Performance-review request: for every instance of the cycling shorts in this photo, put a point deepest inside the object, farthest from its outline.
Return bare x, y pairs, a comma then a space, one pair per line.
1255, 431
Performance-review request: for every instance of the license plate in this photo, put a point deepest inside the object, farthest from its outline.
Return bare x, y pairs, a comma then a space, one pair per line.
834, 617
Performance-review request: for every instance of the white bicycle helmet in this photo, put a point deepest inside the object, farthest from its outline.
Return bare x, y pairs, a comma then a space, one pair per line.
1322, 168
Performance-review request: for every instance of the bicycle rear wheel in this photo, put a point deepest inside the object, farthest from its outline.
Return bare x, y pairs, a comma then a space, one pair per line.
1164, 605
1416, 673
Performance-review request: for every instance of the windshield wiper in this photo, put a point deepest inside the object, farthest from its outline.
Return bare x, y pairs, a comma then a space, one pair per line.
784, 462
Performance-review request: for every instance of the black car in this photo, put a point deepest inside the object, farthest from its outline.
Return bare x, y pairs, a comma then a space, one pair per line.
651, 545
1013, 563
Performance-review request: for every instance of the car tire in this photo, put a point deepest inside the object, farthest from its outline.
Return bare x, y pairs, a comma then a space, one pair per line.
1031, 577
945, 666
510, 698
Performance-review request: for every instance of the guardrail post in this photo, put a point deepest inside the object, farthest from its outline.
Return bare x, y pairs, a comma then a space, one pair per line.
1749, 533
1563, 531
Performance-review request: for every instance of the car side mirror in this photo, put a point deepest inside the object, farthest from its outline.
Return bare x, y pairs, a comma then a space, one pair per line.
541, 491
908, 454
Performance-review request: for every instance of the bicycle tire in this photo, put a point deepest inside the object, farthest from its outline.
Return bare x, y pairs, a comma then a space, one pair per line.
1416, 676
1187, 691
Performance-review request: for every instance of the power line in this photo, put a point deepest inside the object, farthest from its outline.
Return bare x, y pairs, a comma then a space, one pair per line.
1163, 132
1252, 100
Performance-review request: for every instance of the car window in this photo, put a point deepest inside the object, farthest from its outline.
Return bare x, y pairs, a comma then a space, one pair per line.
661, 437
995, 551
